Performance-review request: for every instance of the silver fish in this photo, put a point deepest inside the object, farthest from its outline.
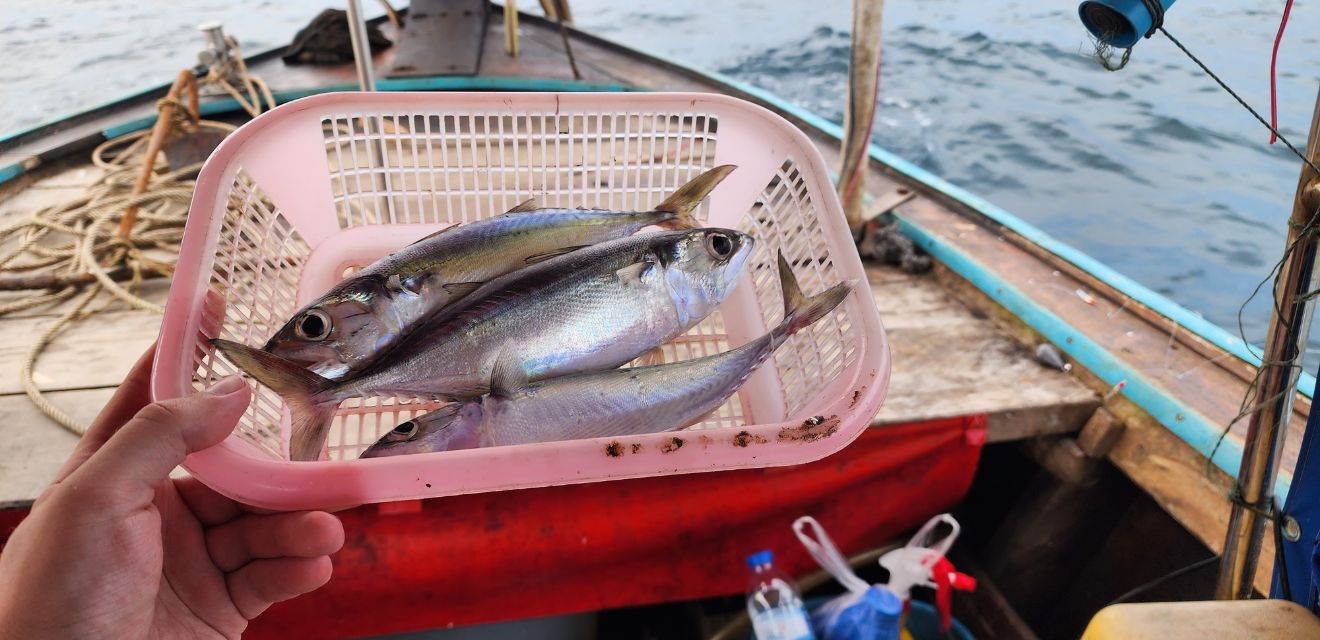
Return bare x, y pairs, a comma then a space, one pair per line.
364, 316
648, 399
595, 308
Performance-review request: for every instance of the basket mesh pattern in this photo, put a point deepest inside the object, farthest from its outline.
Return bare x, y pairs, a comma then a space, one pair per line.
784, 218
396, 168
434, 168
257, 262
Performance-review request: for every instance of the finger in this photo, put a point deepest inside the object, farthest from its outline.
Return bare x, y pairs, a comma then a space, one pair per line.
133, 394
209, 507
262, 583
306, 534
148, 447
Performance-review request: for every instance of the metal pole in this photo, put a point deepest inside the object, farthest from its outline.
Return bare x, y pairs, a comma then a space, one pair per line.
859, 109
357, 32
1272, 397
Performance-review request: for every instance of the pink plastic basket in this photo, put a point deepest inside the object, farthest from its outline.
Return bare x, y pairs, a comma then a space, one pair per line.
303, 194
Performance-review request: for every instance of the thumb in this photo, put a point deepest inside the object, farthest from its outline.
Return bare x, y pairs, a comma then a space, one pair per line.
161, 435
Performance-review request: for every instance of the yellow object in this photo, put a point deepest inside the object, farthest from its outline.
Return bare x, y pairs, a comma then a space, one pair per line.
511, 27
1255, 619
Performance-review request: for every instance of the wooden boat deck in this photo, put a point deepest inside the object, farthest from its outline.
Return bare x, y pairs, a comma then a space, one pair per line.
957, 350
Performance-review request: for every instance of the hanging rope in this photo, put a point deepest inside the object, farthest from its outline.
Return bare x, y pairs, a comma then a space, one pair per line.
1274, 59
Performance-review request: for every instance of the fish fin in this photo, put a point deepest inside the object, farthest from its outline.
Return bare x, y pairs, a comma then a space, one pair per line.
635, 272
686, 198
653, 356
801, 311
434, 234
396, 284
508, 376
525, 206
460, 289
553, 253
297, 386
468, 391
788, 285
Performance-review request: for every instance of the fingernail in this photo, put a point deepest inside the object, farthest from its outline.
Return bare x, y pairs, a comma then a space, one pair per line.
226, 386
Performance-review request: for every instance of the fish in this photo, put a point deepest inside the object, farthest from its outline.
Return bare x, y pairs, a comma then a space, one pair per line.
595, 308
621, 402
365, 315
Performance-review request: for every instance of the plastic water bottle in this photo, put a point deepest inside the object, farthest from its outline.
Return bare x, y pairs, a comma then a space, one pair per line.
776, 610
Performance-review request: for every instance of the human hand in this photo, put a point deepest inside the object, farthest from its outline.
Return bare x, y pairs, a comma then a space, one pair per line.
114, 548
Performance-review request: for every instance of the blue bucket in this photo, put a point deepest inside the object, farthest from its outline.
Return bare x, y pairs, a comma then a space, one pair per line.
923, 621
1118, 23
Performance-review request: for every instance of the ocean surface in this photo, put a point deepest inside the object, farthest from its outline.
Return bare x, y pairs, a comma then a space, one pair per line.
1152, 169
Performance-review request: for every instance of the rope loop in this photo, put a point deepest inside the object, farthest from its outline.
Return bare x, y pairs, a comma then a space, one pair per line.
71, 251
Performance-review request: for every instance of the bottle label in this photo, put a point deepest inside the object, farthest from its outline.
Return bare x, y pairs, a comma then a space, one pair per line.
782, 623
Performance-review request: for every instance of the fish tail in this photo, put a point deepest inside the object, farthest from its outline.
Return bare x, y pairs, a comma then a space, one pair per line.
301, 389
686, 198
801, 311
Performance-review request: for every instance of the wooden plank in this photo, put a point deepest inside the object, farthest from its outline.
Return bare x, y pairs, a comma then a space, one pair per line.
949, 362
1174, 474
970, 368
97, 353
1049, 534
986, 612
1180, 481
1064, 459
35, 447
442, 38
1100, 433
1156, 350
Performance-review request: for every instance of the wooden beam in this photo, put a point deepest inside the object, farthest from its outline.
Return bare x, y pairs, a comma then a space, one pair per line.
1063, 459
986, 613
859, 107
1100, 433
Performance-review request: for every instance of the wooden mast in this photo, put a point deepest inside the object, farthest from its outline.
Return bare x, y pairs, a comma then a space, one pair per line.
1274, 391
859, 108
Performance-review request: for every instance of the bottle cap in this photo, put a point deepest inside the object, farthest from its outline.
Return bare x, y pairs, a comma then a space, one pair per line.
760, 558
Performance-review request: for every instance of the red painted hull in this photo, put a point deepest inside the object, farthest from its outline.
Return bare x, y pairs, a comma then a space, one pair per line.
537, 552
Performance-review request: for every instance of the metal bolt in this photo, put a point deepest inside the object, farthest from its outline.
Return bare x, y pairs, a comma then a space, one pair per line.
1292, 531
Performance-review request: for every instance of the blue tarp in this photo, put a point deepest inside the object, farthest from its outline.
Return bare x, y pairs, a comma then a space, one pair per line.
1302, 557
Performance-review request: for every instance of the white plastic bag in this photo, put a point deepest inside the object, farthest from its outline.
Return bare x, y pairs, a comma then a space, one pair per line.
865, 612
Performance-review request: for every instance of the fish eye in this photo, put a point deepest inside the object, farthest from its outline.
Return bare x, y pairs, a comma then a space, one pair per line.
403, 432
719, 245
314, 325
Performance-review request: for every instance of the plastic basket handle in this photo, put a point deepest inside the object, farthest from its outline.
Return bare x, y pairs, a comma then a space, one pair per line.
827, 555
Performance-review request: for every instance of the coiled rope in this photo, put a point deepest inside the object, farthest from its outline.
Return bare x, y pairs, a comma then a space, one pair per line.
75, 247
73, 250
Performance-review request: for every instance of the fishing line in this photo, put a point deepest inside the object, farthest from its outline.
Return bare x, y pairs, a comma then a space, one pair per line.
1231, 92
1303, 232
1140, 589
